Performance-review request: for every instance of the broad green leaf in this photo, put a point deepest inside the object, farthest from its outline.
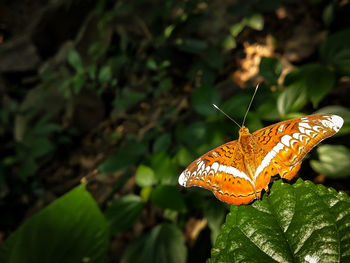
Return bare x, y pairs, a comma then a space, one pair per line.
255, 21
292, 99
123, 157
74, 60
145, 176
270, 68
123, 213
236, 106
183, 157
335, 50
164, 168
334, 161
168, 196
237, 28
166, 243
133, 253
162, 143
203, 98
253, 122
229, 43
318, 80
267, 110
71, 229
342, 112
312, 80
299, 222
214, 211
191, 135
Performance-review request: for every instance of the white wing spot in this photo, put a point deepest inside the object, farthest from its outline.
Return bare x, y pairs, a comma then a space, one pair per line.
317, 128
215, 167
182, 179
285, 140
296, 135
301, 129
310, 133
305, 125
338, 122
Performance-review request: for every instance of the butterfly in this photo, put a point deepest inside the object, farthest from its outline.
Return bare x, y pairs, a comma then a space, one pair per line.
238, 171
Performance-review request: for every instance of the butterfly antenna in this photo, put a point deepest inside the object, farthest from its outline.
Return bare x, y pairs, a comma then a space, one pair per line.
250, 104
226, 115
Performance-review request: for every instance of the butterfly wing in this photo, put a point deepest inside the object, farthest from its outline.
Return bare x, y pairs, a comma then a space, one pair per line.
223, 172
286, 143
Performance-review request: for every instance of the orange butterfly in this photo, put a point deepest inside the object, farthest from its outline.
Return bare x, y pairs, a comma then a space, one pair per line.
237, 171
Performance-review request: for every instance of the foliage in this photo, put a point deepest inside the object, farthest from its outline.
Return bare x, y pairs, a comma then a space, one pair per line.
72, 229
295, 223
133, 92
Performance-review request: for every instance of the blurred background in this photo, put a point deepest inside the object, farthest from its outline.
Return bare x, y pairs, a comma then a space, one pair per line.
118, 95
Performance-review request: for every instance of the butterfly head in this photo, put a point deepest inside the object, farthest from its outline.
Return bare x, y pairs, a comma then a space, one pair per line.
243, 131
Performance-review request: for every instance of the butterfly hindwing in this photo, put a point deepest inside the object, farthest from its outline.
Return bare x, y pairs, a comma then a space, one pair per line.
222, 171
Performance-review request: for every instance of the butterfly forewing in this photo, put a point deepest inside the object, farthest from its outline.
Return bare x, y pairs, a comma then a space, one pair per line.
238, 171
289, 141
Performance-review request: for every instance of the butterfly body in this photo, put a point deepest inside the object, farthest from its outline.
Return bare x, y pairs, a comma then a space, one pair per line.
238, 171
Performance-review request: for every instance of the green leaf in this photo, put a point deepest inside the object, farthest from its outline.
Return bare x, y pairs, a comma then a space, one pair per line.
292, 99
203, 98
166, 243
183, 156
270, 68
168, 196
191, 135
123, 213
105, 74
335, 50
71, 229
333, 161
123, 158
236, 106
255, 21
133, 253
302, 222
145, 176
74, 60
318, 80
162, 143
164, 168
214, 211
341, 111
267, 110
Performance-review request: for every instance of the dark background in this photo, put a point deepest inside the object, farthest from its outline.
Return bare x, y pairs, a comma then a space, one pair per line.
119, 94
